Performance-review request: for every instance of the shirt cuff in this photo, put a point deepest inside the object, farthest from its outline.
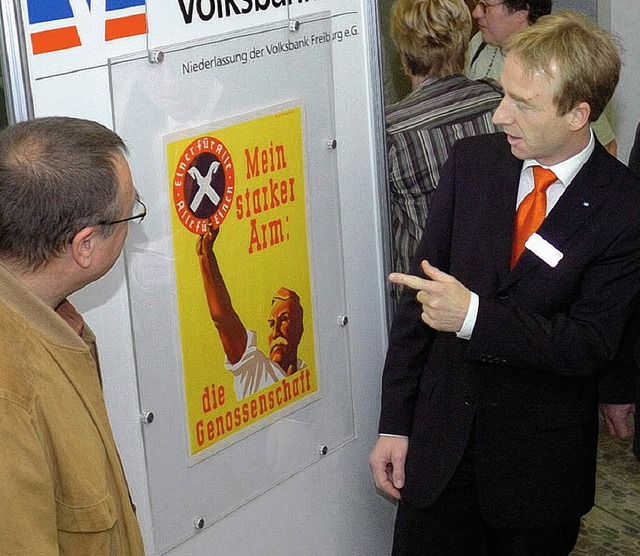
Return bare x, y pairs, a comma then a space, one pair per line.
470, 320
393, 435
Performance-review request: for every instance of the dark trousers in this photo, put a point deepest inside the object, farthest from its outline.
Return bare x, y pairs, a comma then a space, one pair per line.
453, 526
636, 438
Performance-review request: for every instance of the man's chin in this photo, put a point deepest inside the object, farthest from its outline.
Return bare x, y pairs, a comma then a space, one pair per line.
277, 355
487, 37
517, 149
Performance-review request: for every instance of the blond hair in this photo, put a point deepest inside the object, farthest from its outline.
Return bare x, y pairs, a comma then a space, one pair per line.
431, 35
580, 54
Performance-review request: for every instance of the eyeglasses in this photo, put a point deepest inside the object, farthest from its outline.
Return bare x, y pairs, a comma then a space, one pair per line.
139, 212
484, 7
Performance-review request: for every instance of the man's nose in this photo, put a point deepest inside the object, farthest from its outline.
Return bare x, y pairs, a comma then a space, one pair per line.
501, 115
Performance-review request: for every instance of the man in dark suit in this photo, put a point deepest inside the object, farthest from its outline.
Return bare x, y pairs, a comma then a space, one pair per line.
620, 390
489, 417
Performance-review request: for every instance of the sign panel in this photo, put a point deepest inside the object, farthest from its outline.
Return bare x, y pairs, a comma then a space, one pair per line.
237, 164
66, 36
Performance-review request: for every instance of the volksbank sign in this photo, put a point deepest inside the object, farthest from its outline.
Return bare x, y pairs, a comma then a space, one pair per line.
56, 25
205, 10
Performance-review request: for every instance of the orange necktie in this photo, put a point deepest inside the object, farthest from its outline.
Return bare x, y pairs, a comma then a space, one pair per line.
531, 211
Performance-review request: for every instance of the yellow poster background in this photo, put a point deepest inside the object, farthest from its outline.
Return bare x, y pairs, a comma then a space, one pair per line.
261, 247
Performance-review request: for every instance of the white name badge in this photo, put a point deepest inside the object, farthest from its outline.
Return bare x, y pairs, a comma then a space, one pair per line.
543, 249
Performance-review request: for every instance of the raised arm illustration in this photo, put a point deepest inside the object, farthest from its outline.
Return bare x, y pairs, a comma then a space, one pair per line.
232, 332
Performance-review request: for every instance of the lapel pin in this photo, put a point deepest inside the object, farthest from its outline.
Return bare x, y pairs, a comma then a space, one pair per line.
585, 203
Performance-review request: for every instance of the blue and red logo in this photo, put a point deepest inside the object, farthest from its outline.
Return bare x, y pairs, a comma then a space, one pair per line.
116, 24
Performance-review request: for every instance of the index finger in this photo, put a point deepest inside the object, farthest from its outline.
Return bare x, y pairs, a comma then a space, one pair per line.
409, 280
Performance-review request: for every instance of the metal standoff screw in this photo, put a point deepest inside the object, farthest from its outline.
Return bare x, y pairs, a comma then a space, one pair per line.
332, 143
294, 25
147, 417
343, 320
156, 56
323, 450
198, 523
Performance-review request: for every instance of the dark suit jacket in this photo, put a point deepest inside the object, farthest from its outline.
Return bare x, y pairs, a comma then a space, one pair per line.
527, 379
634, 155
634, 164
622, 384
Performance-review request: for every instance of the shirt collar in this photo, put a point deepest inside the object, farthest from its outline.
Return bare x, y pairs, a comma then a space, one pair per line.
69, 314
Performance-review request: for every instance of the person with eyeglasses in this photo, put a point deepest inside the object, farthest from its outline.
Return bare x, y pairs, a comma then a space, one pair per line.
516, 303
66, 198
497, 21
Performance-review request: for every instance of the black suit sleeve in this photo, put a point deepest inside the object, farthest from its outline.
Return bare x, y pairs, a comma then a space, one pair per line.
410, 338
619, 384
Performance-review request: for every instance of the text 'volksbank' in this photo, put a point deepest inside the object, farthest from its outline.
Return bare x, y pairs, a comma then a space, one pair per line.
206, 10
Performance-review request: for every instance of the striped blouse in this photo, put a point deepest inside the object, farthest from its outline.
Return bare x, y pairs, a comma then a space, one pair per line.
421, 130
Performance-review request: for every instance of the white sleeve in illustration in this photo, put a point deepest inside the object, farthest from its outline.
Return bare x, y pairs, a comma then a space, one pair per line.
254, 370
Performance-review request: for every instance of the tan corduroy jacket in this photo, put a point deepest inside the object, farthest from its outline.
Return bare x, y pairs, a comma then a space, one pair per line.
62, 483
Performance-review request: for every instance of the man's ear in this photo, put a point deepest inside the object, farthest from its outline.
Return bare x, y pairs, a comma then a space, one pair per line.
579, 116
83, 246
522, 16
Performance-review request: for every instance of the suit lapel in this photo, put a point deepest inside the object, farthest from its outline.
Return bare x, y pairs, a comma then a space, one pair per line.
487, 214
497, 216
580, 200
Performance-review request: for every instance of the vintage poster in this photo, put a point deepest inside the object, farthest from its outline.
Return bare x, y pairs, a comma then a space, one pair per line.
242, 273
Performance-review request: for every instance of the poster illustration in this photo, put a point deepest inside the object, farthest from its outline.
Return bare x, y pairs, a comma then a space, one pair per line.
242, 273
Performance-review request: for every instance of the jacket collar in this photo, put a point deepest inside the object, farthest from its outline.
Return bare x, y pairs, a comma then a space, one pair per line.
29, 308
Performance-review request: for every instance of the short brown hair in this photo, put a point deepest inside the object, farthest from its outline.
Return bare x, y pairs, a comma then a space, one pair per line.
57, 176
537, 8
431, 35
582, 54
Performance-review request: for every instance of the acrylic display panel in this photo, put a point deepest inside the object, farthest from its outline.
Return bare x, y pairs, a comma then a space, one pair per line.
234, 134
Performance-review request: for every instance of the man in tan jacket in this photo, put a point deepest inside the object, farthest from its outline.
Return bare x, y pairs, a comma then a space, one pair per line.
66, 197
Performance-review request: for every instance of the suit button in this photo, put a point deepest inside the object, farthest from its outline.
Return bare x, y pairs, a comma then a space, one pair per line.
469, 401
503, 295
